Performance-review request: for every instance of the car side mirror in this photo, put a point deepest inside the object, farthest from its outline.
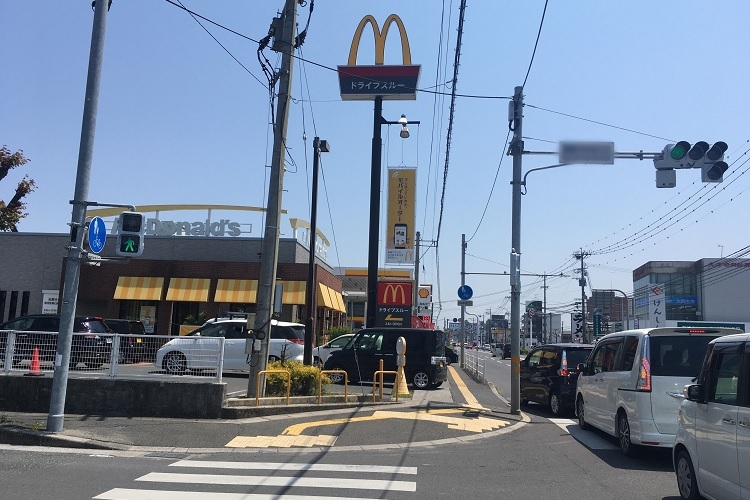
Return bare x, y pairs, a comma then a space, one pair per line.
694, 392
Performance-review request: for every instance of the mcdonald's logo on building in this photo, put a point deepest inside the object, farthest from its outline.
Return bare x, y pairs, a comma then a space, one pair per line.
392, 82
394, 293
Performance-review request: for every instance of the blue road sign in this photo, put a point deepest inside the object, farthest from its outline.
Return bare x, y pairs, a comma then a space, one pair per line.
465, 292
97, 234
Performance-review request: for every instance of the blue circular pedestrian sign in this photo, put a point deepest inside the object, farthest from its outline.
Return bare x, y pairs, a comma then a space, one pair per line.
465, 292
97, 234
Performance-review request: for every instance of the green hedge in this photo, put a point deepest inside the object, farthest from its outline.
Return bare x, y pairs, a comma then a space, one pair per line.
304, 379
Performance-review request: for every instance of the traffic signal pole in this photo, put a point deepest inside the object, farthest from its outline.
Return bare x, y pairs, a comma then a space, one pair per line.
56, 414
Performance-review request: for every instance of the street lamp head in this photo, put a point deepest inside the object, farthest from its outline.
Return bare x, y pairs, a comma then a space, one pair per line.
404, 129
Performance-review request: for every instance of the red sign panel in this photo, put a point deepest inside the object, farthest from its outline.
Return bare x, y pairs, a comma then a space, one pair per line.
394, 293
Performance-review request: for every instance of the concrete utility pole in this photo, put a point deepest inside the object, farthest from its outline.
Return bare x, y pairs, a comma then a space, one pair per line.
415, 298
463, 308
516, 150
78, 221
582, 282
270, 249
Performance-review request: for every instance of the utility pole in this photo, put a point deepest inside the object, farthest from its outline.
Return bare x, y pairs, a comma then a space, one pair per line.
516, 150
270, 247
78, 221
544, 311
582, 283
463, 308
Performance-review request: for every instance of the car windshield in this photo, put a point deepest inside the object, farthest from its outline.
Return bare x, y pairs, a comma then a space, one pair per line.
93, 326
678, 355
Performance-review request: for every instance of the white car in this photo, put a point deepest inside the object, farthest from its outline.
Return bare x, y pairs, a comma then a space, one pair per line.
321, 353
631, 384
199, 350
712, 449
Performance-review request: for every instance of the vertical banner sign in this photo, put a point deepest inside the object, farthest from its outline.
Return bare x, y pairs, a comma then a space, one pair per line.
394, 304
657, 304
399, 237
576, 325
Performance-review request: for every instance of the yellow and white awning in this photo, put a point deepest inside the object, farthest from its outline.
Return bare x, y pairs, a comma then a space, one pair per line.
330, 298
139, 288
236, 291
294, 292
188, 289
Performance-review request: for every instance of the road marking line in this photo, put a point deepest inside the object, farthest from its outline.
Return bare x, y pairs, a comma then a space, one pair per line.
135, 494
296, 466
281, 481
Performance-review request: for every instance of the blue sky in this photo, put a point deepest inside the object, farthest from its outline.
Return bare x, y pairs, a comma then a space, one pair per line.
180, 121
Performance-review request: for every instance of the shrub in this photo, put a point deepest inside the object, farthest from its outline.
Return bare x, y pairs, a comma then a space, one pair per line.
338, 331
304, 379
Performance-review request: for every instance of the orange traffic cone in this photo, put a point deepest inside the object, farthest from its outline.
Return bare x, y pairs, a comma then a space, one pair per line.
35, 370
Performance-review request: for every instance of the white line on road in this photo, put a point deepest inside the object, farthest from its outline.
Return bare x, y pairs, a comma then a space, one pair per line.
278, 466
586, 438
134, 494
286, 482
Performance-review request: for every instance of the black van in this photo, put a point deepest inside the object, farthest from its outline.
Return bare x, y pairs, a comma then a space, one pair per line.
425, 367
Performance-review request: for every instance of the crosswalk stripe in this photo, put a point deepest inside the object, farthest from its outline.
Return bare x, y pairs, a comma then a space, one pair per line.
305, 482
587, 438
136, 494
281, 466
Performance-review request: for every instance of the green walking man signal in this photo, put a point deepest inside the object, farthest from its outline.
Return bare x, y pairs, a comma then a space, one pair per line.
130, 234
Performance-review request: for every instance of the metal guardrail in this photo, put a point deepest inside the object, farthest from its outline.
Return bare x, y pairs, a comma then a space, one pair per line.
263, 372
320, 383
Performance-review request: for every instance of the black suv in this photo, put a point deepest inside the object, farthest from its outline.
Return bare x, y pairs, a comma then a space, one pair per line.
132, 348
548, 375
90, 344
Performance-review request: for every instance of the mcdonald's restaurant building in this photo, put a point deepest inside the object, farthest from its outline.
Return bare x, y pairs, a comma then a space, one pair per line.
177, 280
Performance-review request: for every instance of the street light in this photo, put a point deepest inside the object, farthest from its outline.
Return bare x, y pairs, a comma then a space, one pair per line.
375, 173
310, 295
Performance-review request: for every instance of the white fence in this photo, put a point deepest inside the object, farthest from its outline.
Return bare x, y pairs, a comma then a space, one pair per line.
114, 355
475, 366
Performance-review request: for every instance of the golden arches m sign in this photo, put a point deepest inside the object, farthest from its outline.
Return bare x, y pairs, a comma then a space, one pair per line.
366, 82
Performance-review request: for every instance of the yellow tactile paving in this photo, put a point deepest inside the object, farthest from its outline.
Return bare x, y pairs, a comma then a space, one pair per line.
463, 389
280, 441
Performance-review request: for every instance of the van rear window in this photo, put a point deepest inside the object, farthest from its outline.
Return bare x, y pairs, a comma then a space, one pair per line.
678, 356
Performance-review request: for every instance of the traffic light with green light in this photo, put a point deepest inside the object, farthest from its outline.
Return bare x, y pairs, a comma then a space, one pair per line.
682, 155
130, 234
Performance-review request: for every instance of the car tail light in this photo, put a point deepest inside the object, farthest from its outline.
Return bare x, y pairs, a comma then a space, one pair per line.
644, 374
298, 341
563, 366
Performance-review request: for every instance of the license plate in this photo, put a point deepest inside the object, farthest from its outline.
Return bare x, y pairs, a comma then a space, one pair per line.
138, 340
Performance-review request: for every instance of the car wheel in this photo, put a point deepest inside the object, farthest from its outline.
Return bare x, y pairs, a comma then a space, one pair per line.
336, 378
686, 482
271, 359
555, 405
317, 362
421, 380
581, 415
175, 363
623, 436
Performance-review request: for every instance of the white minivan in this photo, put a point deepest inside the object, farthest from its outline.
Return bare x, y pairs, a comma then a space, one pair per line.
631, 384
712, 450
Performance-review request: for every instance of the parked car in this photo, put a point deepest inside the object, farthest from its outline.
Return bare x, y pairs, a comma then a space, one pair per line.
502, 350
451, 356
90, 345
548, 375
190, 352
711, 451
132, 348
631, 384
425, 367
321, 353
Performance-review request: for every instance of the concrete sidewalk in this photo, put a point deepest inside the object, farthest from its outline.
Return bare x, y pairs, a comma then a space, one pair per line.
461, 409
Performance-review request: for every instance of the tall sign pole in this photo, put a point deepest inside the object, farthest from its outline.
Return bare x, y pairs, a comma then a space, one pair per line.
516, 150
78, 221
270, 247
